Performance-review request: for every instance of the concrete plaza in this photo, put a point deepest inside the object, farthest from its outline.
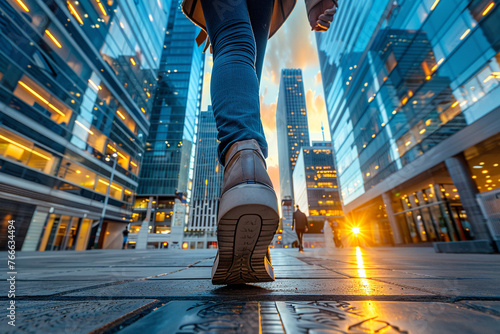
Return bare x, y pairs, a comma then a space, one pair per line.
352, 290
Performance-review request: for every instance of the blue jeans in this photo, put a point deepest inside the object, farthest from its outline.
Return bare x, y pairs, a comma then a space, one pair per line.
238, 31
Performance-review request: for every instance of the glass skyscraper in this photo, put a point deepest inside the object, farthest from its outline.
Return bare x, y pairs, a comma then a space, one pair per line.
169, 158
207, 184
413, 101
76, 79
293, 133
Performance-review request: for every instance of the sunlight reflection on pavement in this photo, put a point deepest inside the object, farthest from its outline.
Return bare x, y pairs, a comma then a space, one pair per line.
361, 271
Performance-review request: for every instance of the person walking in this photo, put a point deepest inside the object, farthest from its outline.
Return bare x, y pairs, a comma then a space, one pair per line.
125, 237
300, 226
237, 32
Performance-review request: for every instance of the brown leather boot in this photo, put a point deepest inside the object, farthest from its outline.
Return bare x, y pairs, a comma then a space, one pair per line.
248, 218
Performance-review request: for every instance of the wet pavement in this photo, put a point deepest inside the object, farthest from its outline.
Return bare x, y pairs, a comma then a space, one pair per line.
352, 290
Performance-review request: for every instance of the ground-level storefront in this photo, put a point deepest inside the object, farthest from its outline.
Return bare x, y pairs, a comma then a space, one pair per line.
47, 223
458, 199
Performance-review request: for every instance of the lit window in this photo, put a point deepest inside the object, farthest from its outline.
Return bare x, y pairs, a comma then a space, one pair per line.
24, 151
35, 95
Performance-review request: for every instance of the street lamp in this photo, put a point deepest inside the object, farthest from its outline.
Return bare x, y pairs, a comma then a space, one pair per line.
103, 213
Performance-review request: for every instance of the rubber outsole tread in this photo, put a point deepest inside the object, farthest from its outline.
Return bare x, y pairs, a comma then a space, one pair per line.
243, 244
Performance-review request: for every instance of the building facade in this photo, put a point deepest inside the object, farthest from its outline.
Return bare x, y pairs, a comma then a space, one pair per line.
207, 186
76, 80
293, 133
315, 185
413, 100
169, 157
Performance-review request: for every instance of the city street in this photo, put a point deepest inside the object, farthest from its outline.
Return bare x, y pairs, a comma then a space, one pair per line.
352, 290
175, 128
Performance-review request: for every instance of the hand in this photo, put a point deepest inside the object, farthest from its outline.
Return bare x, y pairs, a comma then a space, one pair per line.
322, 14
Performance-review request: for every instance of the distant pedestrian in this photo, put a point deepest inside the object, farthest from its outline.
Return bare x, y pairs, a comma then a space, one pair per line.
300, 226
125, 237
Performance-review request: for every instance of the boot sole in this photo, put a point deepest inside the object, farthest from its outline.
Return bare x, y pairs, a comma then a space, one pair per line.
248, 220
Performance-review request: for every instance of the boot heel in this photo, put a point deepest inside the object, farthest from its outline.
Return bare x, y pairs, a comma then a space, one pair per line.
248, 219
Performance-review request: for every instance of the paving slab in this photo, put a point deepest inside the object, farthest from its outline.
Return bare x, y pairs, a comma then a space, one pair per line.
149, 288
304, 286
312, 317
72, 317
288, 273
452, 287
47, 288
365, 290
192, 273
93, 274
452, 273
379, 273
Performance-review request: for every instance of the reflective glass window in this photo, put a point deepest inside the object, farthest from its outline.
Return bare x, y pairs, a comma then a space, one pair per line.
22, 150
77, 174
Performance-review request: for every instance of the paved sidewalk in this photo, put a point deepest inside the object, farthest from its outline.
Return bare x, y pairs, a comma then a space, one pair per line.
373, 290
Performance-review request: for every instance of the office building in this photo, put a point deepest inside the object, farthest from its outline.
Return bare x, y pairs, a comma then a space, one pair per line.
315, 186
293, 132
413, 100
169, 157
75, 84
207, 186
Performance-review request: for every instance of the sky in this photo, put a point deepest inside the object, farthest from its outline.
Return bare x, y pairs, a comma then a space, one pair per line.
293, 46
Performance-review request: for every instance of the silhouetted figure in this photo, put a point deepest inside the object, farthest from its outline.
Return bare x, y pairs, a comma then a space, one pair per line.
300, 226
125, 237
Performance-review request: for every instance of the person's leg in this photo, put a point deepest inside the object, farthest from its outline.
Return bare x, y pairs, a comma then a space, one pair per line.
300, 234
235, 83
248, 212
260, 12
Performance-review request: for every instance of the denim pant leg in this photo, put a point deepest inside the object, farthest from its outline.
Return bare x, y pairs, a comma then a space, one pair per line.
235, 80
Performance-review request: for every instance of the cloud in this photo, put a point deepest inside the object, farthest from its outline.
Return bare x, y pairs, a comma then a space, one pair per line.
293, 46
268, 117
317, 78
273, 171
268, 114
316, 114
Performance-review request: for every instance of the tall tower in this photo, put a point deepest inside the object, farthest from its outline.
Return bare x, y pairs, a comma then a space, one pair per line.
169, 157
293, 133
207, 182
